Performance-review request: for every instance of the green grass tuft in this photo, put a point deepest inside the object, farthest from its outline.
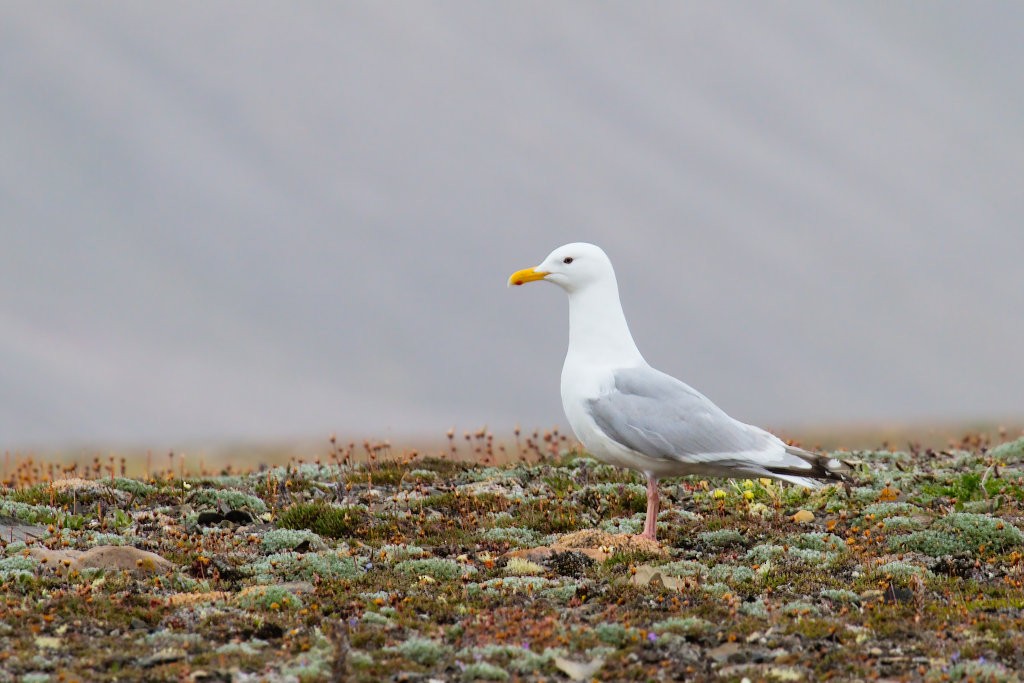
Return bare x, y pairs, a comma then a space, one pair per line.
325, 520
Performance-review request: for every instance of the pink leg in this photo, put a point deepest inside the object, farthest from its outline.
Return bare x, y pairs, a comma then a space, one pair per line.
651, 524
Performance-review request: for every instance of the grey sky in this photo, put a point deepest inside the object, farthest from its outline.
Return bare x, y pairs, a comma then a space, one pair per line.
252, 220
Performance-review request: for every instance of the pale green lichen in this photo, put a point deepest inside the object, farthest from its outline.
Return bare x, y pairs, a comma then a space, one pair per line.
900, 569
865, 494
15, 547
276, 540
236, 500
624, 525
812, 557
133, 486
560, 593
514, 584
315, 664
610, 490
763, 552
251, 647
840, 595
518, 537
29, 514
888, 509
422, 475
934, 543
982, 531
961, 532
17, 568
289, 566
722, 538
799, 608
975, 670
434, 567
901, 523
716, 589
683, 568
270, 598
359, 659
754, 608
397, 553
94, 539
687, 626
376, 619
420, 650
1010, 452
615, 634
817, 541
36, 677
518, 566
483, 671
731, 574
528, 661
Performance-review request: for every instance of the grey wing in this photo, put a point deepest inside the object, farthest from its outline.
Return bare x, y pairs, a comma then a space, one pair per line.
659, 416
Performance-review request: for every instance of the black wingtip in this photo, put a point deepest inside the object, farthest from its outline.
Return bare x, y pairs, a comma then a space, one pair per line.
823, 466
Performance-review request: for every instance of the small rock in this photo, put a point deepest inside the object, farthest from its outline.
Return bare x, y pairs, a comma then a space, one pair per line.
268, 630
569, 563
123, 557
803, 517
595, 544
59, 560
164, 656
13, 530
240, 517
209, 518
74, 484
897, 594
48, 643
579, 671
646, 575
723, 652
295, 587
194, 598
785, 673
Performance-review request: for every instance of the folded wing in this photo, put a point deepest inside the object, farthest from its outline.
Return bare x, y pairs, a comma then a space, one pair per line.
661, 417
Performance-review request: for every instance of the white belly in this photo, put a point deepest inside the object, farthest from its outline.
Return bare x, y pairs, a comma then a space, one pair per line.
577, 389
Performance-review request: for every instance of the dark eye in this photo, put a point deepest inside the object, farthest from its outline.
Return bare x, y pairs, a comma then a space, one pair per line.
567, 259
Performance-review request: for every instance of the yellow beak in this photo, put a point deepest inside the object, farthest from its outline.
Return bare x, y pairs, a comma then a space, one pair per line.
521, 277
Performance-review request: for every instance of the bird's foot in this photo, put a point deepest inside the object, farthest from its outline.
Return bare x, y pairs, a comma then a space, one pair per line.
645, 536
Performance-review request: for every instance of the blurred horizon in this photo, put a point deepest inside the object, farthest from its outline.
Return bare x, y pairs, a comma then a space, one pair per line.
260, 224
477, 445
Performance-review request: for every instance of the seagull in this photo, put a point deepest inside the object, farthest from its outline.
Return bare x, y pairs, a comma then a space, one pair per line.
629, 414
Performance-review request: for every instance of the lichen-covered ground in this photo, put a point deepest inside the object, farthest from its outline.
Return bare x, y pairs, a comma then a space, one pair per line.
424, 569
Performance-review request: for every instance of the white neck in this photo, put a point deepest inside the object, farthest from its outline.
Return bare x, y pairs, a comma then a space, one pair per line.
598, 333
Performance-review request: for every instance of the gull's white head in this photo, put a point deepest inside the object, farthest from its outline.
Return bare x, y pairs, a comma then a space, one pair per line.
572, 267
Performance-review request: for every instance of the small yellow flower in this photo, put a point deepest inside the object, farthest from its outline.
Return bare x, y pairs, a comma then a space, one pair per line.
748, 495
719, 494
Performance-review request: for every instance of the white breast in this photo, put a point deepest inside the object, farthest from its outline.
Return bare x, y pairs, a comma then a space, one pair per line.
578, 388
